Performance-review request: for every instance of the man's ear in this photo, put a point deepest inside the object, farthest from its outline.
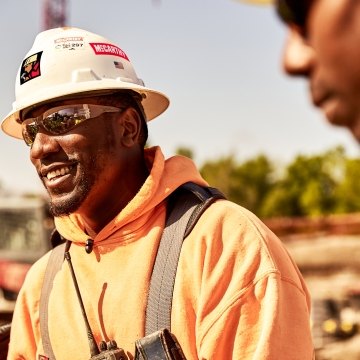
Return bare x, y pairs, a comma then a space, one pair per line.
130, 127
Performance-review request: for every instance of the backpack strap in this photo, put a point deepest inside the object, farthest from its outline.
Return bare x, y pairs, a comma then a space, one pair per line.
186, 205
53, 266
206, 196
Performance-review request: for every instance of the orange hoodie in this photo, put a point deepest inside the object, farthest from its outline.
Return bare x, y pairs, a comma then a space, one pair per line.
237, 295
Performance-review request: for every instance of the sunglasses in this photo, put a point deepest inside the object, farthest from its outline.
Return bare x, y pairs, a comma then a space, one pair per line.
294, 11
61, 119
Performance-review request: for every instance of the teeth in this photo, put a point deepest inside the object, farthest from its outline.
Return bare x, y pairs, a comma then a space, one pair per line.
58, 172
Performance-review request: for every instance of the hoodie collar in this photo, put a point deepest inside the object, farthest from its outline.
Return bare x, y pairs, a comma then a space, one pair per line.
165, 176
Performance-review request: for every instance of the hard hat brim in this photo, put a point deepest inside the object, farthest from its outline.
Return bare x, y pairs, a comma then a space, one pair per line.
153, 102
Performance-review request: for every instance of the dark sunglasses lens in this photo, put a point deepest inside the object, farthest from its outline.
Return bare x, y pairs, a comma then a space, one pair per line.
61, 122
29, 133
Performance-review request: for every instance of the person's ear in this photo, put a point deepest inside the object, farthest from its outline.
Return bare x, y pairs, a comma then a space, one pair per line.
130, 125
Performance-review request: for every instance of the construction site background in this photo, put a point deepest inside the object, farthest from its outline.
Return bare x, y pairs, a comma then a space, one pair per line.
327, 251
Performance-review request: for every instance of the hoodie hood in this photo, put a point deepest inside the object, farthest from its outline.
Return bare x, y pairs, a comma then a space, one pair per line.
165, 176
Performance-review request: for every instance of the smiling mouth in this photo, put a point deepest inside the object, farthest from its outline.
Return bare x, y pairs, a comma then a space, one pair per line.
51, 175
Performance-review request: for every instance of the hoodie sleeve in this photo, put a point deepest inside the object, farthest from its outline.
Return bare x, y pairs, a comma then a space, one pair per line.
25, 332
238, 293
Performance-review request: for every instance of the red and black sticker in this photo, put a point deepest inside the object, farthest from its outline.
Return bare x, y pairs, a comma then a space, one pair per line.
108, 49
30, 68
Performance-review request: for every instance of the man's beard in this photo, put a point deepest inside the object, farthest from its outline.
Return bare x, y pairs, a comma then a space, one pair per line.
72, 202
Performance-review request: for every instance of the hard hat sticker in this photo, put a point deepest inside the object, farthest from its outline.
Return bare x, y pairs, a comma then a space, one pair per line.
30, 68
108, 49
119, 65
69, 43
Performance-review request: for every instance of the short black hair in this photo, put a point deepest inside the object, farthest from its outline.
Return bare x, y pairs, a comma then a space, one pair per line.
294, 11
130, 98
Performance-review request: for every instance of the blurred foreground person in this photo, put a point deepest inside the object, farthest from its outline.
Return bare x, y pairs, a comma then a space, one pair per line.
83, 113
323, 46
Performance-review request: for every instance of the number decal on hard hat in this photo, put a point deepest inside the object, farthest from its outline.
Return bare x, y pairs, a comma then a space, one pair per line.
69, 43
30, 68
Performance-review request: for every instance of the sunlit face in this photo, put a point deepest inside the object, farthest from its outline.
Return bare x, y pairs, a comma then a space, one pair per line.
85, 167
326, 50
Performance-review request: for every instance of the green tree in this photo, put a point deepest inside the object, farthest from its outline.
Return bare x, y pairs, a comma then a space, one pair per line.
185, 151
253, 180
308, 186
348, 190
246, 184
220, 174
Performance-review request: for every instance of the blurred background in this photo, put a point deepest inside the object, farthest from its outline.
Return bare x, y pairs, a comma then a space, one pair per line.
250, 129
217, 60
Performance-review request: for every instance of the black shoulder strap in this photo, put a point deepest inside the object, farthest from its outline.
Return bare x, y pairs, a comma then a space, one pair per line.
187, 204
206, 196
53, 266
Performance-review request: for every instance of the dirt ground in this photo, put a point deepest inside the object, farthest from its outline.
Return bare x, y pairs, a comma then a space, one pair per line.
330, 265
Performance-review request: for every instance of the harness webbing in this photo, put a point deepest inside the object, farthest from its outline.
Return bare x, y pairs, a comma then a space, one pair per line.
190, 202
55, 261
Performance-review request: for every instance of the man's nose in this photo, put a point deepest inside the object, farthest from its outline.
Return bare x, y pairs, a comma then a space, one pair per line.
298, 57
43, 145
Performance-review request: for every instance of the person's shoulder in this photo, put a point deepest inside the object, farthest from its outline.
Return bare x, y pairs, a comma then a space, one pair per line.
245, 235
228, 213
233, 226
30, 291
36, 273
229, 239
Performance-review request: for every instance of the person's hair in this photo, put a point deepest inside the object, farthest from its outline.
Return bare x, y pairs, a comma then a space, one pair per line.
129, 98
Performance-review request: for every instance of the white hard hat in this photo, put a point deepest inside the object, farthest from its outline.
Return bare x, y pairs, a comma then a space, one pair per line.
67, 61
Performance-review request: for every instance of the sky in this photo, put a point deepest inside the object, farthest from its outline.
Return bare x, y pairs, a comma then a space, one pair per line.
219, 62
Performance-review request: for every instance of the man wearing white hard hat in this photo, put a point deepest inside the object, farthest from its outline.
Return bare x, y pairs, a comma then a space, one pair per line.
237, 294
